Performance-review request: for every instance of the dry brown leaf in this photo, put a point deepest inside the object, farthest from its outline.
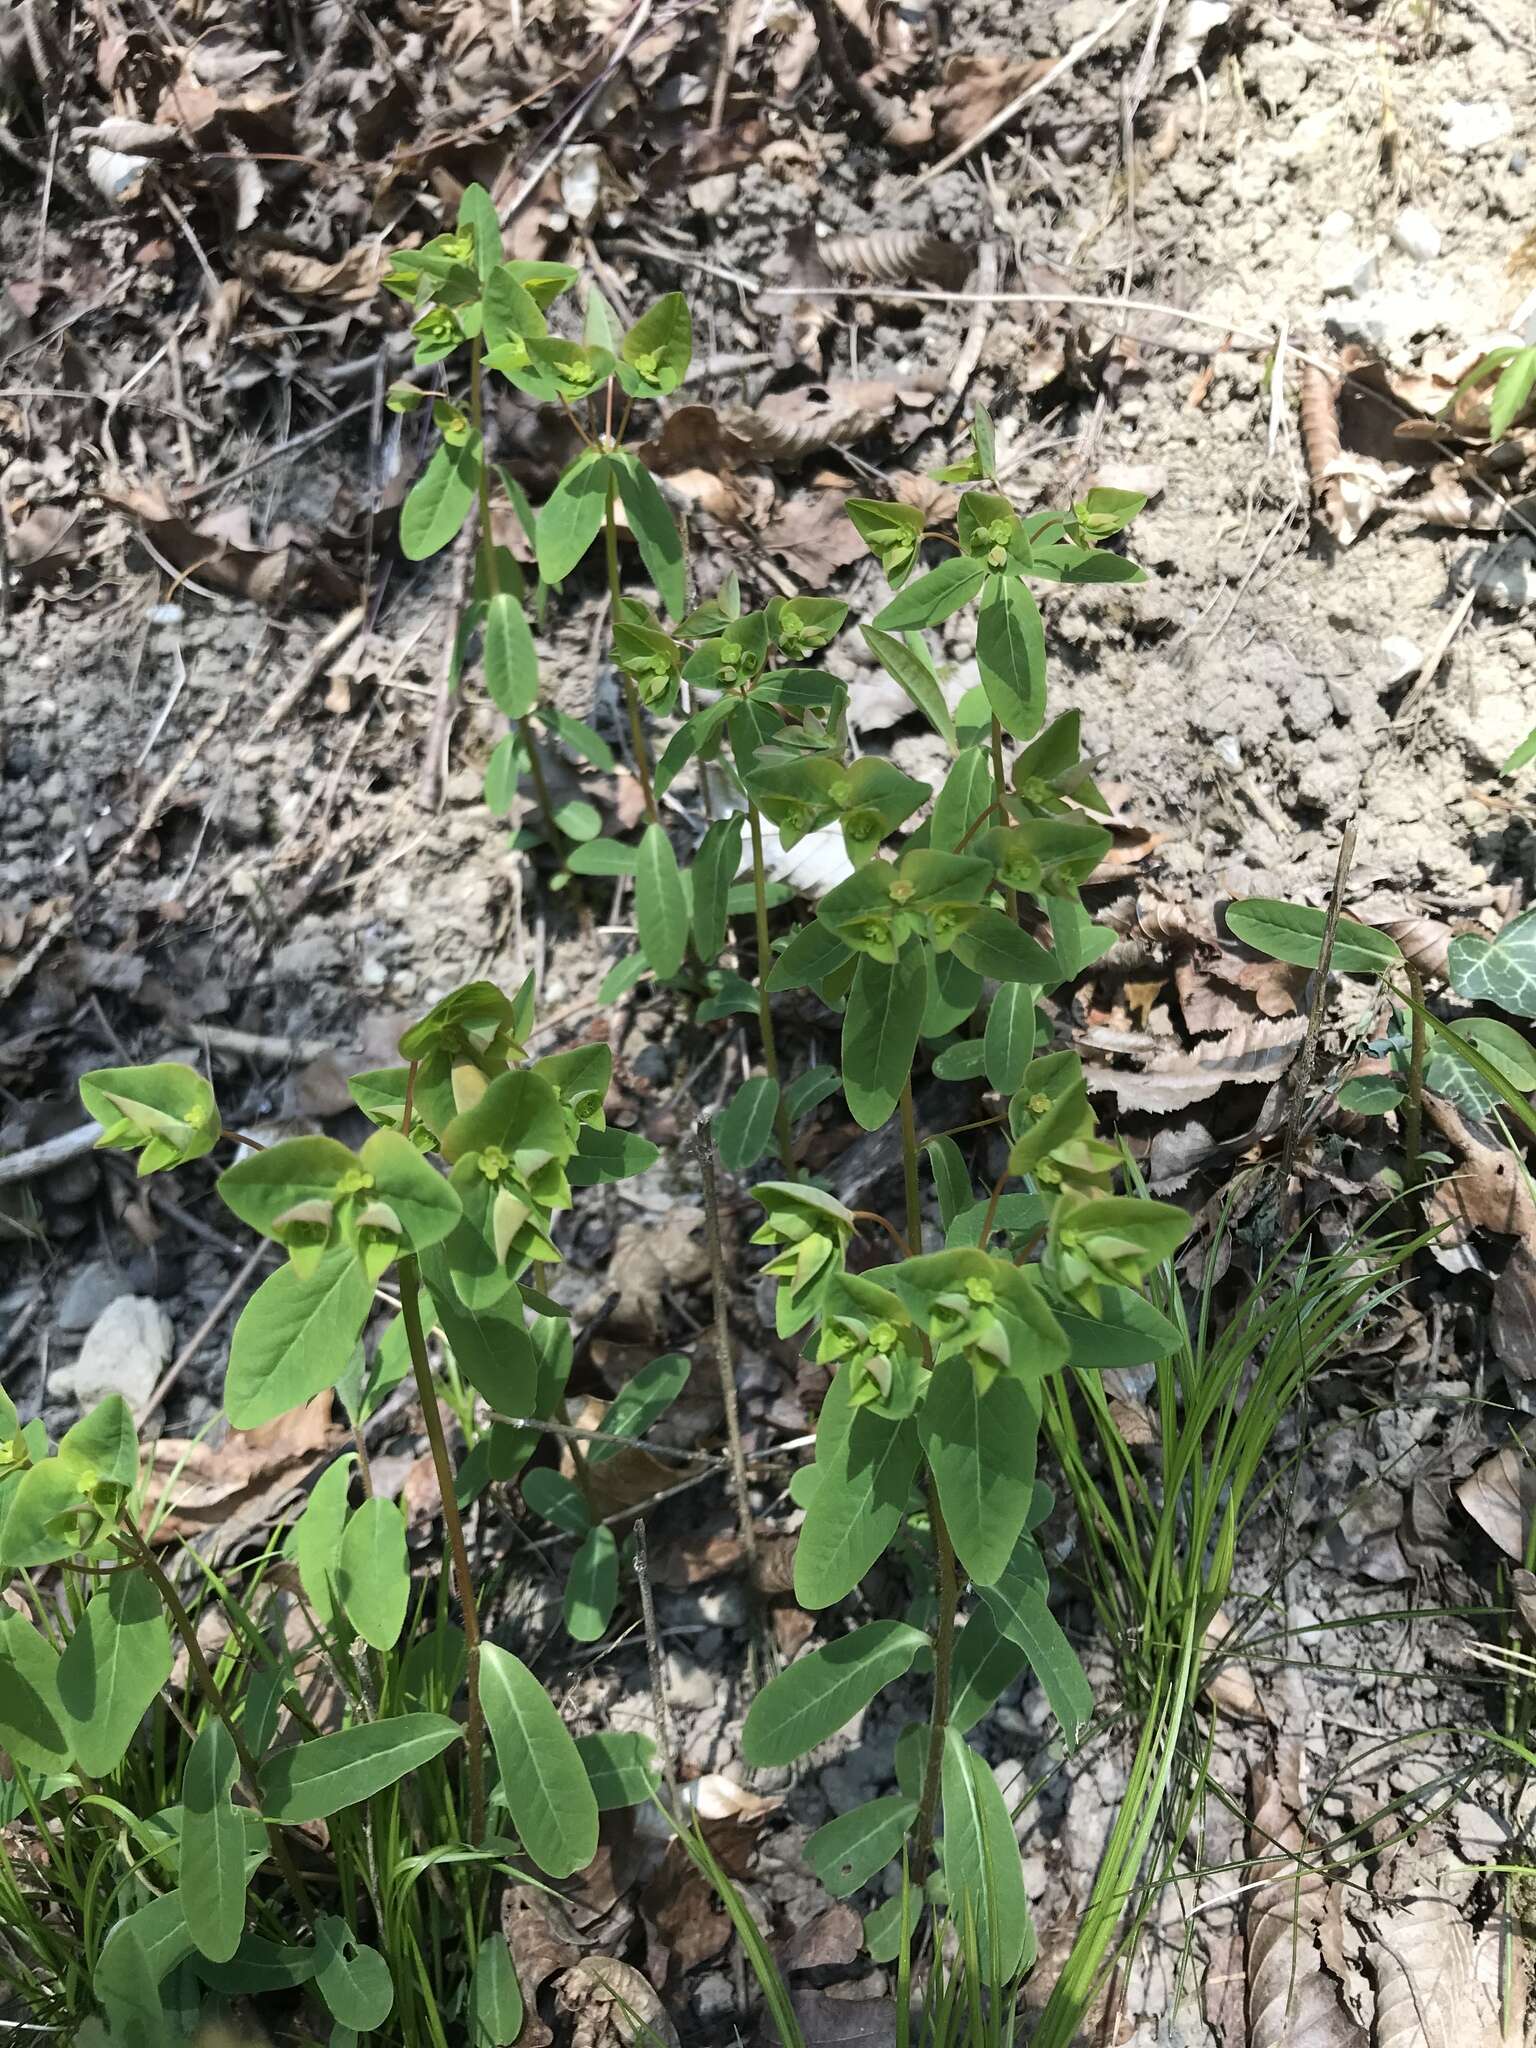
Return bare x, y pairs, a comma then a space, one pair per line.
1500, 1495
608, 2002
1428, 1993
1292, 2001
975, 91
650, 1259
219, 549
812, 535
831, 1938
1487, 1191
540, 1940
684, 1909
1231, 1687
348, 281
894, 255
225, 1492
787, 426
1256, 1054
715, 1797
1423, 940
1512, 1326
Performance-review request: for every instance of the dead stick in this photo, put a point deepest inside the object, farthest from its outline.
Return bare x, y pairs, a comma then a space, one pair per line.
289, 699
654, 1663
1308, 1055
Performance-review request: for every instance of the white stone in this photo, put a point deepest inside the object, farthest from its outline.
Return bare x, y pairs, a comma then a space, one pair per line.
1337, 225
1471, 125
125, 1351
93, 1288
1416, 235
1404, 658
1344, 268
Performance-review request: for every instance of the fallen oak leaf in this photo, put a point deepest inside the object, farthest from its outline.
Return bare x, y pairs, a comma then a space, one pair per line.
347, 281
1255, 1055
1488, 1191
607, 2001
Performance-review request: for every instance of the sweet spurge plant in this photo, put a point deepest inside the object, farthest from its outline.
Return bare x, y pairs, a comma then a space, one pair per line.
209, 1832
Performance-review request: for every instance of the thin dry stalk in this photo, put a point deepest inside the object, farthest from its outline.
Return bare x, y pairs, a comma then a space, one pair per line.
653, 1662
704, 1152
1307, 1058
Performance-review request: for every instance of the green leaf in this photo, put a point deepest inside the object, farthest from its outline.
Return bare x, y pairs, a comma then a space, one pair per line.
43, 1510
810, 1089
856, 1845
661, 904
165, 1112
1010, 652
980, 1446
1010, 1037
477, 212
1294, 932
592, 1585
543, 1781
812, 954
373, 1575
1502, 972
439, 501
986, 1664
864, 1467
609, 1155
351, 1977
319, 1777
981, 1862
490, 1346
657, 350
34, 1728
822, 1692
966, 793
140, 1951
1127, 1331
112, 1668
880, 1027
621, 1767
602, 857
933, 597
1511, 393
295, 1337
1526, 751
743, 1131
103, 1447
714, 869
495, 2001
212, 1876
1018, 1604
573, 517
550, 1494
317, 1538
1372, 1094
908, 668
511, 660
966, 1061
993, 944
951, 1178
655, 531
640, 1402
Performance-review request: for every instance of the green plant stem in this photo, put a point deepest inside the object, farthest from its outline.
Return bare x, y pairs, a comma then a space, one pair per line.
637, 739
948, 1574
781, 1129
493, 589
943, 1669
474, 1730
1413, 1101
999, 798
132, 1543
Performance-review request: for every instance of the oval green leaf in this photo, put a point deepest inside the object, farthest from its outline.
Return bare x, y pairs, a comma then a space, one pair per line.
822, 1692
319, 1777
543, 1781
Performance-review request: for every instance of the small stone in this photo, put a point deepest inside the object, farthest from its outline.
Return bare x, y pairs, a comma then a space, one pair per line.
304, 959
1336, 226
1416, 235
94, 1287
374, 974
1471, 125
687, 1684
125, 1351
1482, 1834
1228, 749
1404, 658
1344, 269
1280, 79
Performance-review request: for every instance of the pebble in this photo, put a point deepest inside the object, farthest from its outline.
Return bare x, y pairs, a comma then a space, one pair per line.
1404, 658
94, 1287
1416, 235
1344, 268
125, 1351
1471, 125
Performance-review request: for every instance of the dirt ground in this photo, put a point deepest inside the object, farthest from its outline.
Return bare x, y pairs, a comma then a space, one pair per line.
236, 824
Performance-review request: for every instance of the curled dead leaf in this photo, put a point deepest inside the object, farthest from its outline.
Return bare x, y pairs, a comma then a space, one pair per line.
220, 550
608, 2002
1487, 1191
895, 255
348, 281
1500, 1495
975, 91
1293, 2001
224, 1492
1256, 1054
540, 1940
